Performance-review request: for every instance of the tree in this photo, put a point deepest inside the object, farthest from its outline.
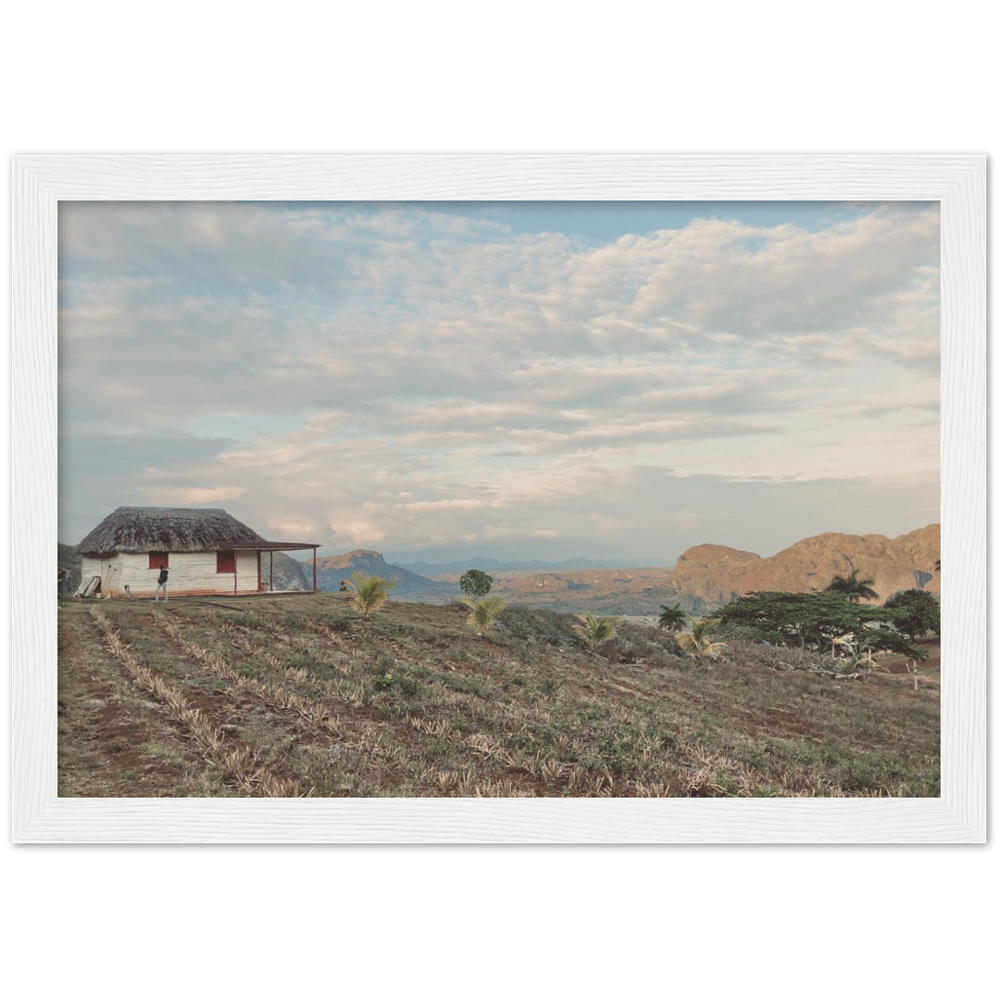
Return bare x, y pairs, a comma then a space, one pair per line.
594, 631
852, 588
806, 620
475, 583
370, 592
672, 619
699, 639
916, 613
483, 613
818, 621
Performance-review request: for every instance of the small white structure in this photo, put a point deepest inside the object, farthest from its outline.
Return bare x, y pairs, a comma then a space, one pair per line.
206, 551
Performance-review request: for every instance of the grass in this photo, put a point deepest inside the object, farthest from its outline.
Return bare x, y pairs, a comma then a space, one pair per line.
303, 697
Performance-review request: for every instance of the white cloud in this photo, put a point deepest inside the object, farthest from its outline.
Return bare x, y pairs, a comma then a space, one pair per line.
428, 376
161, 495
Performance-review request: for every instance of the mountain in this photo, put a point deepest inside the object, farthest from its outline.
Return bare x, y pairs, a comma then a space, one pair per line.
717, 574
288, 573
331, 570
70, 560
457, 568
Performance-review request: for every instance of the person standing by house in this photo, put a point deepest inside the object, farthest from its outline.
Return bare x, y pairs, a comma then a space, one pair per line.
63, 577
161, 584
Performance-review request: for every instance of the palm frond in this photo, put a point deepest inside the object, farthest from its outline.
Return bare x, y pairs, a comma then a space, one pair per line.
483, 613
370, 592
672, 618
698, 639
594, 631
853, 588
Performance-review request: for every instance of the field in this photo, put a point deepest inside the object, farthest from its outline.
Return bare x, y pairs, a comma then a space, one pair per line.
298, 695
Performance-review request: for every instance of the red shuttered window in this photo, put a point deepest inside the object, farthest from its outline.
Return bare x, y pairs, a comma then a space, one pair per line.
158, 559
225, 562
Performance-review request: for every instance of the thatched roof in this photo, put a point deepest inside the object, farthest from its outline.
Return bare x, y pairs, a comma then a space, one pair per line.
174, 529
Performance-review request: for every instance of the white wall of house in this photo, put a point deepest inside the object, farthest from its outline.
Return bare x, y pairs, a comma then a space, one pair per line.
99, 566
246, 570
191, 573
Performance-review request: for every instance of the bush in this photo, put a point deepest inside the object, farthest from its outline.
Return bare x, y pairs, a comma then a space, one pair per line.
537, 625
620, 650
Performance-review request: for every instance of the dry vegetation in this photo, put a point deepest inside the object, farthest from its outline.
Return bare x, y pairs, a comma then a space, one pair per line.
299, 696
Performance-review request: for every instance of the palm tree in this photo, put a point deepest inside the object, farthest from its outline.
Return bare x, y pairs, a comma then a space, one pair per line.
858, 654
370, 592
483, 613
672, 619
699, 639
852, 588
593, 631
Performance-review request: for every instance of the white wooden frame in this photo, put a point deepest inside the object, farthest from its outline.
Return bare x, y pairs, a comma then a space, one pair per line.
959, 182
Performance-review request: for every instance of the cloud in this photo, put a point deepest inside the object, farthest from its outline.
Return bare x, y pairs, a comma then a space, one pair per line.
189, 496
400, 376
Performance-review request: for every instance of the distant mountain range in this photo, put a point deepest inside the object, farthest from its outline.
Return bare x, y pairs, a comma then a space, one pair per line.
528, 565
331, 570
704, 578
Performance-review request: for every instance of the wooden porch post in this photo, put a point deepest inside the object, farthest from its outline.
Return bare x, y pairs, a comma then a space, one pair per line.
314, 569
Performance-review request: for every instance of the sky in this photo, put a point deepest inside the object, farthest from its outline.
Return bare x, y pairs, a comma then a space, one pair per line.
438, 381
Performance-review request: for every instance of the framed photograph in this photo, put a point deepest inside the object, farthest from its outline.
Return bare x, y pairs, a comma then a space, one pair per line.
499, 499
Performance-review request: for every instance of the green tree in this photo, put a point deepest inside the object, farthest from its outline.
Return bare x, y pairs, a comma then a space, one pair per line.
699, 639
916, 613
852, 588
475, 583
672, 619
818, 621
594, 631
369, 592
483, 613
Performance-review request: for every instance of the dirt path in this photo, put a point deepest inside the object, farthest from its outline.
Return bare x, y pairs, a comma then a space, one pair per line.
111, 740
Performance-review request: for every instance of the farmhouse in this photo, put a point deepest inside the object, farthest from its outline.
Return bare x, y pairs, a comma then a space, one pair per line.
207, 551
